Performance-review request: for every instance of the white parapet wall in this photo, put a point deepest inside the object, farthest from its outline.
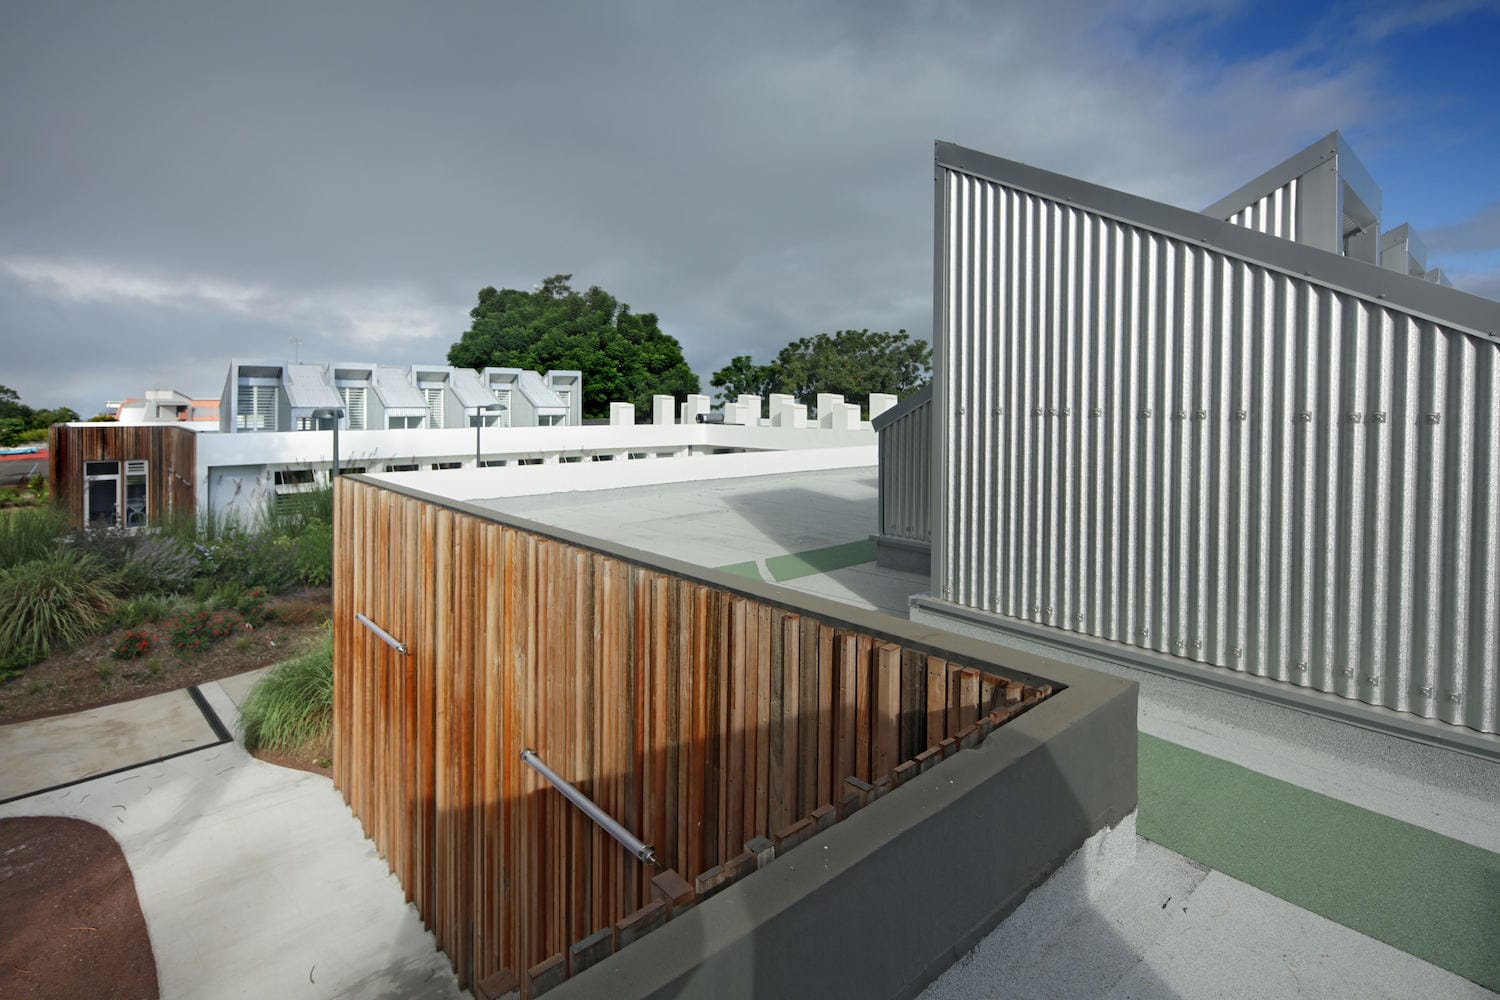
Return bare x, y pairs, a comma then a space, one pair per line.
238, 475
529, 480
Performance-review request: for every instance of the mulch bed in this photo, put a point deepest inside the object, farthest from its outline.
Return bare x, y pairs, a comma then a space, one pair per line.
88, 675
70, 925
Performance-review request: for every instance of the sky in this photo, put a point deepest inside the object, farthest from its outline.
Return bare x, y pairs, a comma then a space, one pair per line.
185, 183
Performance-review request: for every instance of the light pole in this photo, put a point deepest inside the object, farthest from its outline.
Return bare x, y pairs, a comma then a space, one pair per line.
479, 412
337, 414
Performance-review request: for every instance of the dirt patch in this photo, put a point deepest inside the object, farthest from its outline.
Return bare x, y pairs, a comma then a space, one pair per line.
316, 757
71, 925
88, 675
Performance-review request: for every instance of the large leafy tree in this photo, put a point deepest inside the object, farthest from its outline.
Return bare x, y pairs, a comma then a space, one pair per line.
20, 423
853, 363
623, 356
743, 377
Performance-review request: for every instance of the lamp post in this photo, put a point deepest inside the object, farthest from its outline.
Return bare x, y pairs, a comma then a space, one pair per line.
337, 414
479, 412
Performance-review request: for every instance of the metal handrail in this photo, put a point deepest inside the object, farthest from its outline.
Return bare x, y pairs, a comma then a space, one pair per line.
606, 822
385, 636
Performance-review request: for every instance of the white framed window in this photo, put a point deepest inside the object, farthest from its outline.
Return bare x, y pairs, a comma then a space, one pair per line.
354, 406
256, 409
434, 407
566, 395
502, 396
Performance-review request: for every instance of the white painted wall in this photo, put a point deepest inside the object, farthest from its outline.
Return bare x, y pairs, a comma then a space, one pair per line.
529, 480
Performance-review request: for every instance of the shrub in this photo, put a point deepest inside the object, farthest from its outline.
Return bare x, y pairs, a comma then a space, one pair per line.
109, 547
52, 603
252, 607
293, 704
195, 632
137, 611
258, 560
314, 549
159, 564
29, 533
226, 594
135, 644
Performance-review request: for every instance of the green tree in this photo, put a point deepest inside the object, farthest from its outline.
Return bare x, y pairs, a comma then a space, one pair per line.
742, 376
20, 423
623, 356
852, 363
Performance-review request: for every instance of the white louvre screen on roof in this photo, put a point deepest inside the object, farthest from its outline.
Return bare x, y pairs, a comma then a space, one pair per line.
434, 407
566, 395
257, 408
354, 405
502, 396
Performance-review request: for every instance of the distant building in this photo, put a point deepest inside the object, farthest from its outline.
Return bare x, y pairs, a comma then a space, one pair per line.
284, 425
163, 406
275, 395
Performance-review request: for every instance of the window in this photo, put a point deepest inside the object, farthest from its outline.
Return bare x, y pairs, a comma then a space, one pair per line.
354, 405
566, 395
402, 423
135, 494
353, 470
502, 396
604, 458
257, 408
294, 477
101, 494
438, 466
493, 463
571, 458
400, 468
434, 407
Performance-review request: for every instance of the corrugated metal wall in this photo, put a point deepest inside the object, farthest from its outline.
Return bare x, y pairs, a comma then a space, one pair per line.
905, 475
1275, 214
1149, 441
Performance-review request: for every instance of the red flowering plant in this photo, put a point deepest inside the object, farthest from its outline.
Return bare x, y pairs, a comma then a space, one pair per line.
196, 632
135, 644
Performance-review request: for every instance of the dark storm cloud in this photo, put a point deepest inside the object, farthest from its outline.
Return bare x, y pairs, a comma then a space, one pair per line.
185, 184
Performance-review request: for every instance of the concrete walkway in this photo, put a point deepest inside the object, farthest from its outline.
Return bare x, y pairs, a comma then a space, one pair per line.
255, 880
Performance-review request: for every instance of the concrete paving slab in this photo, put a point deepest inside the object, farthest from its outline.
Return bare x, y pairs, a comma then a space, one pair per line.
256, 880
1240, 942
1161, 926
45, 753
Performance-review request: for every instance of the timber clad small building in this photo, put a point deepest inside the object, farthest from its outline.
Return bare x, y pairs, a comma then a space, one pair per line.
122, 475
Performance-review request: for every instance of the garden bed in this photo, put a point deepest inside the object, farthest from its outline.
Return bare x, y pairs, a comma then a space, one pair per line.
89, 674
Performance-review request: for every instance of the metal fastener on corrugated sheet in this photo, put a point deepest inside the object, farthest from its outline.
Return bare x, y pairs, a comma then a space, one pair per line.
1422, 692
1372, 680
1180, 415
1355, 417
1432, 418
1347, 671
1378, 417
1047, 611
1453, 696
1237, 651
1302, 417
1200, 414
1240, 414
1097, 412
1145, 414
1301, 667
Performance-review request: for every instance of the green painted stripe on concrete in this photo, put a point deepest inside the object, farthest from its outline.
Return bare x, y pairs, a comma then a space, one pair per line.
824, 560
743, 569
1429, 895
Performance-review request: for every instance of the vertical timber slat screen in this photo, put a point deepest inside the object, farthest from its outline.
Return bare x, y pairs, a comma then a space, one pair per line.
699, 718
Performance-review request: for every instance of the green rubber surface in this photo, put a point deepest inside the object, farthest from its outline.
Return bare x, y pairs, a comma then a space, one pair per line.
743, 569
824, 560
1426, 894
